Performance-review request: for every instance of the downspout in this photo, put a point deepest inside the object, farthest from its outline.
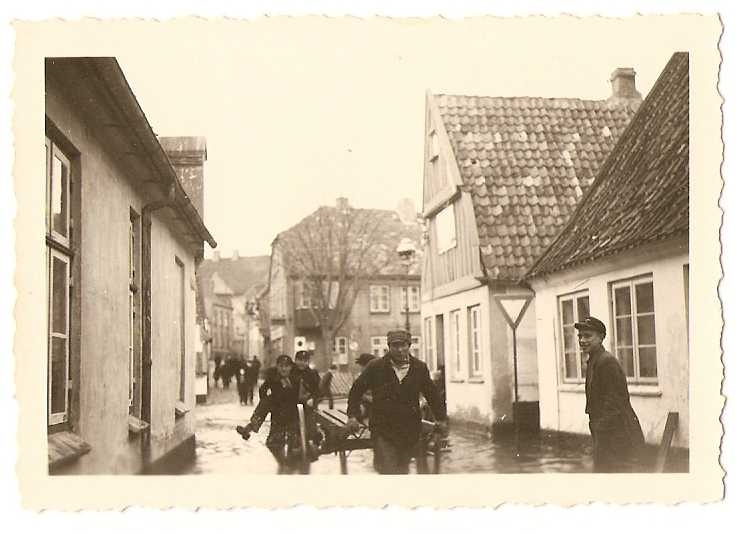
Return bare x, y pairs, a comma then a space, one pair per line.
147, 361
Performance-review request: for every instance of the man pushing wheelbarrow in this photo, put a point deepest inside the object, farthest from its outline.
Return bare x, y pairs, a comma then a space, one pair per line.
396, 380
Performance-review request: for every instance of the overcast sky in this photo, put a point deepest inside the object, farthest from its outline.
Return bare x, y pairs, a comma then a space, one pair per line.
297, 113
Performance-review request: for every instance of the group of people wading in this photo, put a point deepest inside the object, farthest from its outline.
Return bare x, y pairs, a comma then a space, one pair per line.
386, 393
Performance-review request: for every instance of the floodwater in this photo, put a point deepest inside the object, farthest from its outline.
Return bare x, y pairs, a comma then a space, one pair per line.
220, 450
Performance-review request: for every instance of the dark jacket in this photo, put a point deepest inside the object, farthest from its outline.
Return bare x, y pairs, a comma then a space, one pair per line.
395, 412
280, 396
612, 418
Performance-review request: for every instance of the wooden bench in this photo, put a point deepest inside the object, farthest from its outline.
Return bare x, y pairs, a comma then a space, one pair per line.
334, 422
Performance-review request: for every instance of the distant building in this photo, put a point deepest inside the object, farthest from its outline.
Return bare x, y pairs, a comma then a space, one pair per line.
229, 289
122, 242
378, 307
501, 178
624, 258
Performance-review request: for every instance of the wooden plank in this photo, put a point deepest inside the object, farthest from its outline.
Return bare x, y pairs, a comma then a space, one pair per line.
672, 423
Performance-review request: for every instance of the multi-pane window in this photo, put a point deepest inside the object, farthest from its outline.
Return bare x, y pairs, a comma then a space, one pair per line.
414, 299
330, 292
133, 299
379, 345
474, 329
58, 282
572, 309
635, 328
446, 237
455, 343
339, 347
429, 346
379, 299
303, 294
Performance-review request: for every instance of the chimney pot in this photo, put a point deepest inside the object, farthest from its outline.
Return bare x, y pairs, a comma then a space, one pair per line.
235, 255
342, 203
216, 255
622, 81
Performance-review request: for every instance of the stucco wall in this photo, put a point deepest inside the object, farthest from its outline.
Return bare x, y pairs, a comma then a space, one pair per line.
166, 431
107, 194
468, 398
562, 406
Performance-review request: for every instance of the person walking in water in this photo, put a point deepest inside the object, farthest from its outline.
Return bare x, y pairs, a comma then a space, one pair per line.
396, 380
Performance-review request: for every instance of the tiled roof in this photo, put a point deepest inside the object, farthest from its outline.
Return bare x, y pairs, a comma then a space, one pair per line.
239, 274
526, 163
392, 231
641, 194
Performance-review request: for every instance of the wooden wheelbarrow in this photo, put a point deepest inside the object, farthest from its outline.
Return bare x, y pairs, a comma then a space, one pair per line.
338, 440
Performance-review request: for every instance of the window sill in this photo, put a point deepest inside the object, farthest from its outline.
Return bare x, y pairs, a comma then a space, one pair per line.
136, 426
644, 390
384, 312
572, 388
180, 410
65, 447
476, 380
457, 380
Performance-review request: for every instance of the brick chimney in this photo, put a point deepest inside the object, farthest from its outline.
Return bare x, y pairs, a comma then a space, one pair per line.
622, 81
187, 155
235, 254
215, 255
342, 204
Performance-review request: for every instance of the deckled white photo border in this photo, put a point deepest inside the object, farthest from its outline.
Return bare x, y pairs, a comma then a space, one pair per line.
703, 483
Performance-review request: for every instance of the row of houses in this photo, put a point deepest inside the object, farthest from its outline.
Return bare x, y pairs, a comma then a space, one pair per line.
582, 206
123, 237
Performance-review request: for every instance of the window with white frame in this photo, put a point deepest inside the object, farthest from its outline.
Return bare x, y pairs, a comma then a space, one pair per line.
303, 294
455, 343
330, 291
429, 345
379, 299
634, 328
414, 299
339, 347
573, 308
446, 237
474, 331
58, 280
379, 345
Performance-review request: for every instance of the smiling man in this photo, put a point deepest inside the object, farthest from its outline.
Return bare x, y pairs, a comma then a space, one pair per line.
395, 381
616, 432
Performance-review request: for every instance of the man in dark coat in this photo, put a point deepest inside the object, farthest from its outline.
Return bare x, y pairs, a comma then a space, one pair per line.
283, 388
253, 377
616, 431
396, 380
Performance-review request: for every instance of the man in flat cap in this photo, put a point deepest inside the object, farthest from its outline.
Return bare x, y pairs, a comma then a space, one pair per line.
616, 431
395, 381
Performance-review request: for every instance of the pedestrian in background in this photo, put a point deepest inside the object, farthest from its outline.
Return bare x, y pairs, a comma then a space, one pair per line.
616, 432
242, 380
396, 380
325, 385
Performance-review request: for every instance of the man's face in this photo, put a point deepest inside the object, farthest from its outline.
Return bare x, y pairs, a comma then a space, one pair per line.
589, 340
284, 369
302, 364
398, 350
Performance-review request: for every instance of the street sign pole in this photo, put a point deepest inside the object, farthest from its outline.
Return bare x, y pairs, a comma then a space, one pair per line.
514, 306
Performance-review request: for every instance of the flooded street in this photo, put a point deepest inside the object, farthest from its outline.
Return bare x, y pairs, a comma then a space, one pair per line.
220, 450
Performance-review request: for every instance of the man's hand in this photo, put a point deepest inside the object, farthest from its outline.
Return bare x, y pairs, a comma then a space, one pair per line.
353, 425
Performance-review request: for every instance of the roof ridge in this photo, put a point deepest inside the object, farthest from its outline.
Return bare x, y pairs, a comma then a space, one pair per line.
614, 103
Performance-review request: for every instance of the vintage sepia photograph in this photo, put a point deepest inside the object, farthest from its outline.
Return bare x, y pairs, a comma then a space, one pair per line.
405, 247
